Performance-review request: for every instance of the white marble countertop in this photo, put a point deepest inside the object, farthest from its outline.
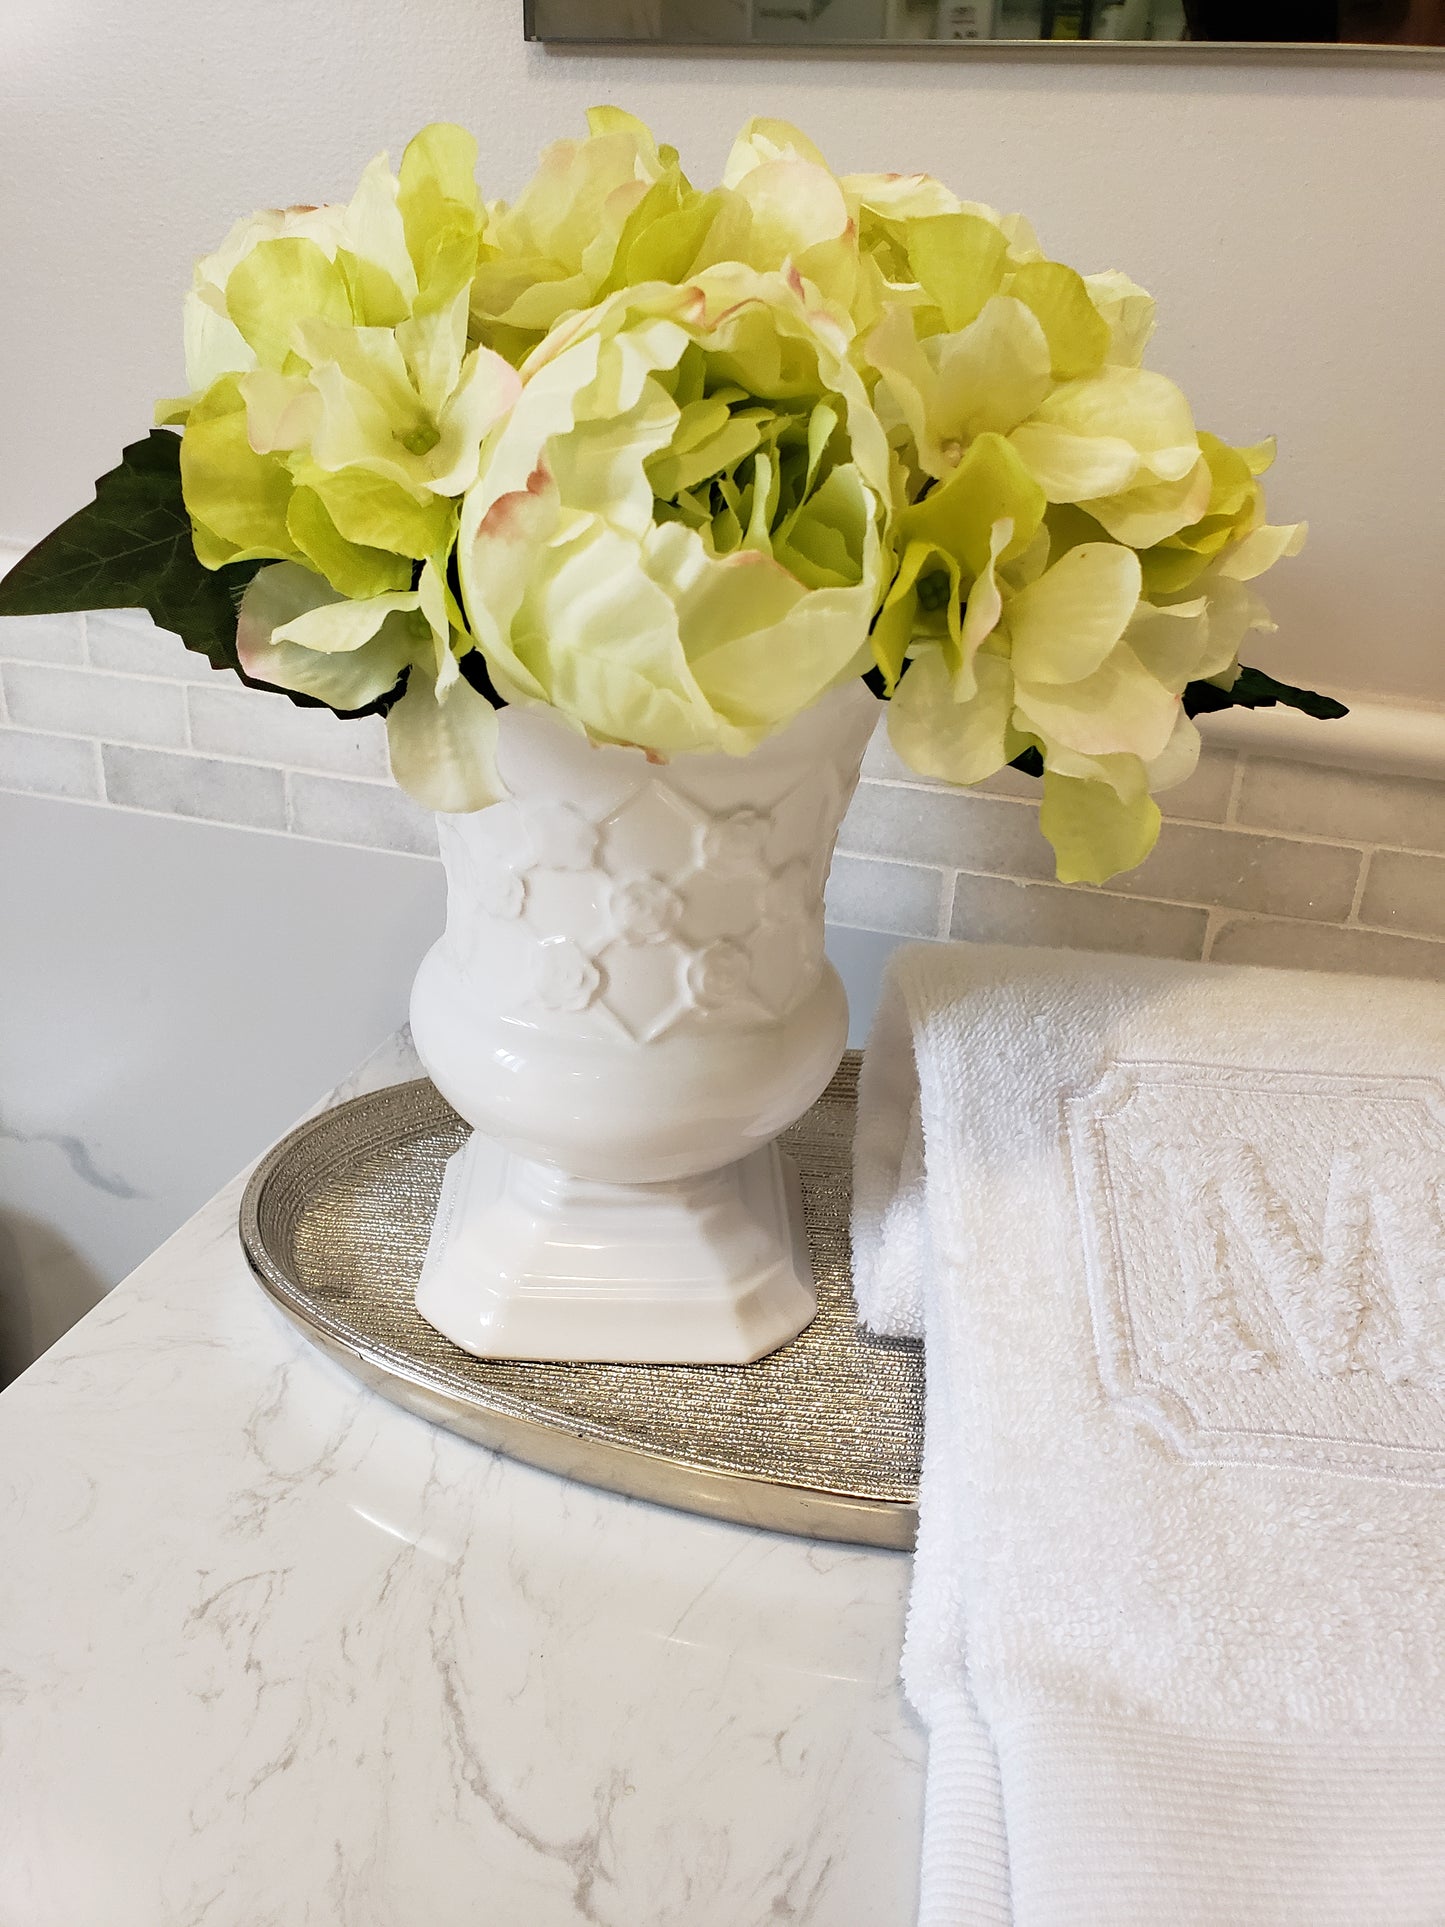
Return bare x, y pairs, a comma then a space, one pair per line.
274, 1653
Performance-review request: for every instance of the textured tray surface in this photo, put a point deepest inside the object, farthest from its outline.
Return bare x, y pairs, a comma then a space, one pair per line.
822, 1437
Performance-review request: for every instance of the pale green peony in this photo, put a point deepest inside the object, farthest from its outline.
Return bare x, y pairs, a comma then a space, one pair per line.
554, 250
677, 537
615, 210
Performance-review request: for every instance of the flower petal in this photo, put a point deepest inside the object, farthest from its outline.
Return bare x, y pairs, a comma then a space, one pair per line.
350, 568
278, 596
1261, 549
443, 744
239, 495
1064, 625
1095, 832
937, 735
991, 374
1078, 335
1119, 710
1128, 311
959, 261
279, 285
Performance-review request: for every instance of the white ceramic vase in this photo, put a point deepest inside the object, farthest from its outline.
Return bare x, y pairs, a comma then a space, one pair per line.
629, 1003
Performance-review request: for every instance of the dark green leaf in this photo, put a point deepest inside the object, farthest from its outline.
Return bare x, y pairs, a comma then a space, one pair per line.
131, 548
1029, 761
1253, 689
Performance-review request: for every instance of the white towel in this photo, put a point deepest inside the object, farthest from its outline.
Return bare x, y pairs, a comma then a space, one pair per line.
1175, 1237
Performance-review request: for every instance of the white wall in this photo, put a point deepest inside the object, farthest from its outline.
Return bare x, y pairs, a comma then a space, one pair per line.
1287, 214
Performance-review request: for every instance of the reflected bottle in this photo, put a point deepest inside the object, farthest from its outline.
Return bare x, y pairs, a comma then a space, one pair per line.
1066, 20
965, 20
1124, 20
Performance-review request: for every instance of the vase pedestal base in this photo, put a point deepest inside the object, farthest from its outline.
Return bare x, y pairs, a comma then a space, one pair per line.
528, 1262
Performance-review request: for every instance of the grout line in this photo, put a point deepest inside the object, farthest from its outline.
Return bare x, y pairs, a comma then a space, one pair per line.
1100, 892
1394, 930
1187, 822
288, 801
1217, 914
1268, 834
1236, 784
945, 902
221, 823
907, 863
927, 788
1352, 915
88, 668
206, 755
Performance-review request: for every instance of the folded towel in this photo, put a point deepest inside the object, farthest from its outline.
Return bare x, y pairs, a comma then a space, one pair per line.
1175, 1238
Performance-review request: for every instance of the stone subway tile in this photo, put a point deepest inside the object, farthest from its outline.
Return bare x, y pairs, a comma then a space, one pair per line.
1002, 910
262, 728
50, 765
84, 702
42, 638
901, 898
1233, 870
1400, 812
220, 792
378, 815
1405, 893
1314, 946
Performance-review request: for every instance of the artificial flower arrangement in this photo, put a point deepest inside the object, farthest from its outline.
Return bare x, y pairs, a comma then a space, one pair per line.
675, 462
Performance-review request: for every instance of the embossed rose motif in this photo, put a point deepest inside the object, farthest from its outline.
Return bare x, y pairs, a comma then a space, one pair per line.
500, 892
644, 907
718, 974
737, 841
561, 837
567, 978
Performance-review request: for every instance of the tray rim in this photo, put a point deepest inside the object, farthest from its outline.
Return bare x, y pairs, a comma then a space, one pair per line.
501, 1424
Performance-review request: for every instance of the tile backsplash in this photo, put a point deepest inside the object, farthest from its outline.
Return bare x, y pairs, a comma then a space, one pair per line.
1261, 860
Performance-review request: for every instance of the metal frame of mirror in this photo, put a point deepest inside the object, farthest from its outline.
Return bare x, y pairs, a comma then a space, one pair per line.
923, 25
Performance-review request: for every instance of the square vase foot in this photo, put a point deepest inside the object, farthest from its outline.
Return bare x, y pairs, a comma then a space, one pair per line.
527, 1262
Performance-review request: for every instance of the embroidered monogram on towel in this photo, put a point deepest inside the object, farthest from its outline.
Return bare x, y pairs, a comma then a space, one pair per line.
1266, 1262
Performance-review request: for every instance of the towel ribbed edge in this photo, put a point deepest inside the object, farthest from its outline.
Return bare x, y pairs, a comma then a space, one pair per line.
1116, 1823
964, 1873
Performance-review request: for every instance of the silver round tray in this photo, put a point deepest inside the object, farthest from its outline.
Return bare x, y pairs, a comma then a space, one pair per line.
823, 1438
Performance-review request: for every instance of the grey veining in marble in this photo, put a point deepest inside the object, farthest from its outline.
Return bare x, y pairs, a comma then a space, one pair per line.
276, 1654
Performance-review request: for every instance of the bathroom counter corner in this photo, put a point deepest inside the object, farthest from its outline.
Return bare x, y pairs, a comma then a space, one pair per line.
272, 1649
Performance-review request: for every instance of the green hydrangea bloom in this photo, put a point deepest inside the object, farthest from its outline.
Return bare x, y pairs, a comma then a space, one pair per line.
337, 408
